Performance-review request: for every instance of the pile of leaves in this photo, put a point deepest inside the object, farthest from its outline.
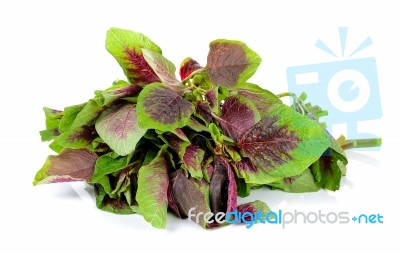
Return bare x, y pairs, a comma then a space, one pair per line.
155, 143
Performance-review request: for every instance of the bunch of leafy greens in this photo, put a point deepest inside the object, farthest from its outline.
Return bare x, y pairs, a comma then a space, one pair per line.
156, 143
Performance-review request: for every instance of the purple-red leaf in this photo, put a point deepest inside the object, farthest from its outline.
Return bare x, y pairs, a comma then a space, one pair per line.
139, 71
126, 46
171, 200
232, 188
191, 155
178, 145
223, 192
269, 142
212, 97
120, 89
162, 108
188, 194
70, 165
207, 168
282, 144
254, 207
188, 66
164, 69
204, 112
231, 63
180, 134
238, 114
118, 127
244, 167
78, 138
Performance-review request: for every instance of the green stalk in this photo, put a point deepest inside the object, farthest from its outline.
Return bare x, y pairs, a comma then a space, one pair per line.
361, 143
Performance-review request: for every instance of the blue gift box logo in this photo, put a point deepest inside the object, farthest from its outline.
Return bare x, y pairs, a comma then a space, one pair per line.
348, 89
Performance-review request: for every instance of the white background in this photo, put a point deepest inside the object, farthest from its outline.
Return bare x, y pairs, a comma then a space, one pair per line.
52, 54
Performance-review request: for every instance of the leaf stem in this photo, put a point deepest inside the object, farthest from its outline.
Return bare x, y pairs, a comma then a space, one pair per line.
361, 143
296, 102
228, 140
293, 95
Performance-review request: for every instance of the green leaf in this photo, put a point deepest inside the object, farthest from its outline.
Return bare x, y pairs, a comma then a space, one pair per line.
117, 205
180, 134
253, 207
243, 188
70, 165
123, 181
99, 146
223, 92
282, 144
49, 134
126, 47
328, 169
192, 159
231, 63
87, 115
177, 144
149, 157
52, 124
105, 183
153, 189
215, 133
196, 126
304, 182
118, 127
109, 163
55, 146
162, 108
119, 90
231, 151
216, 137
81, 137
164, 68
263, 99
70, 114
